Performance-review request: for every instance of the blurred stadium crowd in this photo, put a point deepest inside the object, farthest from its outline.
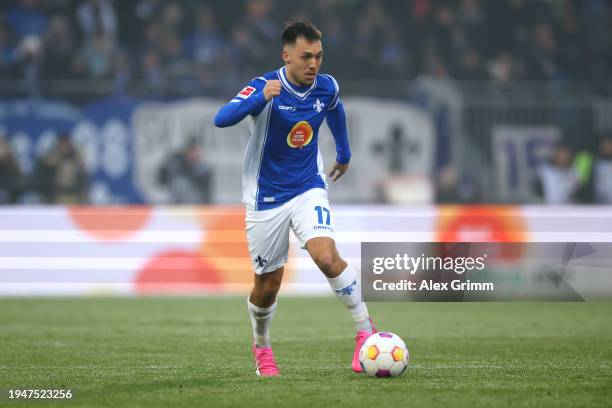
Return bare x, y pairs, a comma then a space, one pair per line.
206, 47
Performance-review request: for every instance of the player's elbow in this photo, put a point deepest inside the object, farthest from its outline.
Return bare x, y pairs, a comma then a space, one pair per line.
220, 120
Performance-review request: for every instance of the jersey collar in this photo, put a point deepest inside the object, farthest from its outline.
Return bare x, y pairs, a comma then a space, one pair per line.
291, 89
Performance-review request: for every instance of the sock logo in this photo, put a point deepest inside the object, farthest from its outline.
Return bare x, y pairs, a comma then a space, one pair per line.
347, 290
260, 261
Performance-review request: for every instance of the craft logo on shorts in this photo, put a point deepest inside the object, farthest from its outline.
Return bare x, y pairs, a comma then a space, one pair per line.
246, 92
300, 135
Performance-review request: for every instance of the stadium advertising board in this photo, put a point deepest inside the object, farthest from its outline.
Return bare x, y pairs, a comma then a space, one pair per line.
136, 250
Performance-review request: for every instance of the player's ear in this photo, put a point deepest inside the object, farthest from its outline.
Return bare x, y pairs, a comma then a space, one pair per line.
285, 56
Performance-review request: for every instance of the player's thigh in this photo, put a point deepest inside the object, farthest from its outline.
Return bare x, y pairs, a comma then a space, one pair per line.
268, 238
311, 216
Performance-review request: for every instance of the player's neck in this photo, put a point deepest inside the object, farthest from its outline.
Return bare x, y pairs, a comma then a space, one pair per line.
292, 79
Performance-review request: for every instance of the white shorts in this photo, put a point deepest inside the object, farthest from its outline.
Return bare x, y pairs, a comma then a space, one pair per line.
308, 215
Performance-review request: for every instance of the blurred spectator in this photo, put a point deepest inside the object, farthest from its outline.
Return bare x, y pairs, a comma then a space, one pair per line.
29, 56
173, 19
603, 173
187, 176
336, 43
393, 58
262, 30
7, 52
60, 176
205, 44
472, 19
571, 53
435, 92
447, 186
10, 175
146, 10
470, 66
508, 25
78, 67
210, 52
177, 66
133, 18
503, 68
442, 29
153, 36
451, 188
583, 164
121, 73
59, 46
558, 179
152, 72
98, 55
243, 49
543, 54
98, 18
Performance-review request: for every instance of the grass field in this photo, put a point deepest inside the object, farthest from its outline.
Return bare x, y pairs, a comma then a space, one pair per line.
189, 352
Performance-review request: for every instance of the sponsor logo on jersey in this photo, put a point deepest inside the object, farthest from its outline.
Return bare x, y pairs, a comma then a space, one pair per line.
300, 135
287, 108
246, 92
318, 106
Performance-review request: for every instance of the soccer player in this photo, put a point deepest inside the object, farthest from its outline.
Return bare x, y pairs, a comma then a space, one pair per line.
283, 182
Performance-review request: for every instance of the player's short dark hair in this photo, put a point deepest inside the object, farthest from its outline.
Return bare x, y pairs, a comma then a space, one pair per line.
295, 29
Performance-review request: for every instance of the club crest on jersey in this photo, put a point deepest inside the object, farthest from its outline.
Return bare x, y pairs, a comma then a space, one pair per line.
318, 106
246, 92
300, 135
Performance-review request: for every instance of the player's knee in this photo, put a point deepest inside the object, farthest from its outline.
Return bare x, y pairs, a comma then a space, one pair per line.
269, 289
268, 296
272, 285
264, 295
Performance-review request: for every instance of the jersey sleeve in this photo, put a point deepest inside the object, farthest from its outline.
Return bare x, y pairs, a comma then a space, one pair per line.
249, 101
336, 120
336, 98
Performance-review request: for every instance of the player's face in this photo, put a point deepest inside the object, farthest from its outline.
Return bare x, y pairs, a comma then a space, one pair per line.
303, 60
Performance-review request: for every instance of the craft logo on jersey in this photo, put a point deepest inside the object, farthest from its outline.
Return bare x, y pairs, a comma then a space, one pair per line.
318, 106
300, 135
246, 92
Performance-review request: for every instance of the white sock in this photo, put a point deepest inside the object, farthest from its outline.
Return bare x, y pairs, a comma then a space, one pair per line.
348, 290
261, 317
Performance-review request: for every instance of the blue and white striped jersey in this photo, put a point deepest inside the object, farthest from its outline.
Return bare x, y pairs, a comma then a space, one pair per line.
282, 159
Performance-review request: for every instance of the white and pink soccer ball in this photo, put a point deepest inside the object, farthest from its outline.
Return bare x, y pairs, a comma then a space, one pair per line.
384, 354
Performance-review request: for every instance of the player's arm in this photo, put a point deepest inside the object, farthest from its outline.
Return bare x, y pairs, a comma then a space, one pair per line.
336, 120
250, 101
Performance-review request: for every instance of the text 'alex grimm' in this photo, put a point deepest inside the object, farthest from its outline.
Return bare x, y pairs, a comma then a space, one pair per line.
429, 285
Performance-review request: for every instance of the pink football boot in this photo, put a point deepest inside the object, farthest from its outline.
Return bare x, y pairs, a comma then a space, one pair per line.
264, 362
360, 338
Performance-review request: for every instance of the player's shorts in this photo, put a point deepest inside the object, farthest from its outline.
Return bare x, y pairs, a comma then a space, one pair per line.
308, 215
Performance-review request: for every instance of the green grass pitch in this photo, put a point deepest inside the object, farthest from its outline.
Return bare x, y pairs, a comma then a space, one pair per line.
189, 352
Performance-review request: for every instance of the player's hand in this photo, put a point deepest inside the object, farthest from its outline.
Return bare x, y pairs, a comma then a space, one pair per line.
272, 89
338, 170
